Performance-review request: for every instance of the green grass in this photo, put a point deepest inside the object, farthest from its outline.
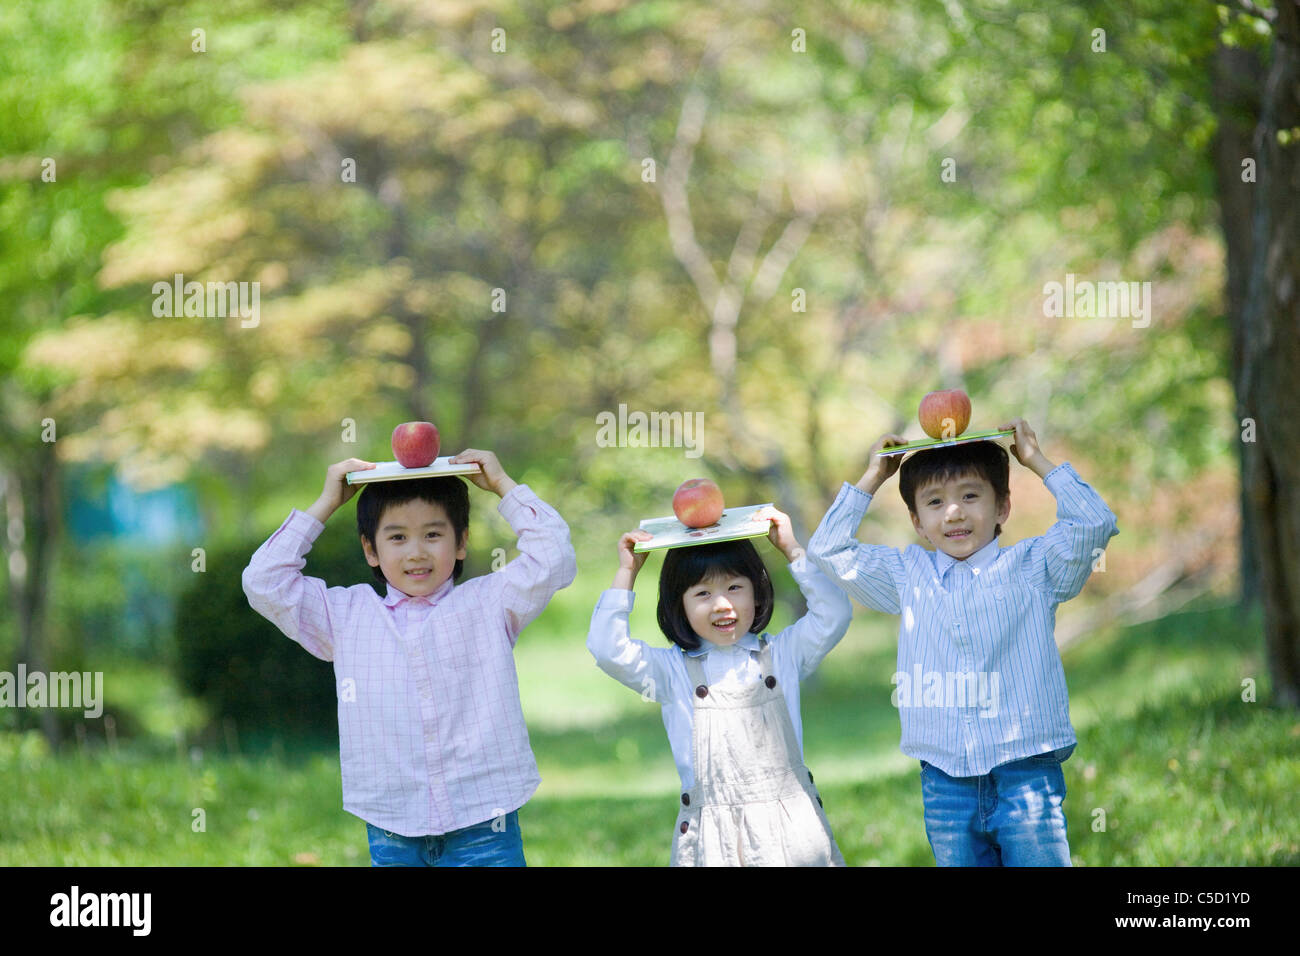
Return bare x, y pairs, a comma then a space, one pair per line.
1172, 768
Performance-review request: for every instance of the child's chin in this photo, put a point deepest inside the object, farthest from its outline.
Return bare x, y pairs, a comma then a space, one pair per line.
962, 548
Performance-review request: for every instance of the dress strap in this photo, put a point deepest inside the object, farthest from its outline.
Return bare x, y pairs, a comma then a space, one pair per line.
694, 671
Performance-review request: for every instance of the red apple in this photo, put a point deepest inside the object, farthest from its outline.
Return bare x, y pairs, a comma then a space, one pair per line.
698, 503
944, 414
415, 444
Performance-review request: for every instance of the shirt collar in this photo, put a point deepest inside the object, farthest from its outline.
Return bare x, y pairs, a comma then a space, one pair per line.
396, 597
749, 642
977, 562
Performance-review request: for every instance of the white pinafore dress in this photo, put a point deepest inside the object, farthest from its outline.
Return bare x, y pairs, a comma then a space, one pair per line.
753, 802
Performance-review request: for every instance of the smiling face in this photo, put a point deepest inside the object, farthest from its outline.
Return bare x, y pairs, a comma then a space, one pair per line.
415, 546
959, 516
720, 609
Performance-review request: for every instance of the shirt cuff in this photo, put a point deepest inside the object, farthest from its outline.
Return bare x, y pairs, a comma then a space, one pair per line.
855, 496
514, 499
1061, 474
616, 599
852, 501
299, 527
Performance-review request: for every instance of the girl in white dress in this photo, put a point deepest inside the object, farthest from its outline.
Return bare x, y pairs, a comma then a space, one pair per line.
730, 695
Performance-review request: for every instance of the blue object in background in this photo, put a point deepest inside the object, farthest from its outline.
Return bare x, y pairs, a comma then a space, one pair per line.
145, 536
99, 505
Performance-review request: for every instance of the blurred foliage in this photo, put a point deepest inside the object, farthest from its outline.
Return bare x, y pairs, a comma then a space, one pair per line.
523, 171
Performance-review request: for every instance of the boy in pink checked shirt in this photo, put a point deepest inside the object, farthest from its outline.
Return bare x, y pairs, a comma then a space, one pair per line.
434, 752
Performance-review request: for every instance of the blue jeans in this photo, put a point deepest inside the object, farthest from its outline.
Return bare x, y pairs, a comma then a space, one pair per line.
1010, 816
482, 844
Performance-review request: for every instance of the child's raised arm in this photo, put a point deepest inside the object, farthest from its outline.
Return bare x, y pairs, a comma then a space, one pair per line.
546, 561
814, 635
879, 469
630, 662
873, 574
1062, 558
629, 562
337, 491
274, 584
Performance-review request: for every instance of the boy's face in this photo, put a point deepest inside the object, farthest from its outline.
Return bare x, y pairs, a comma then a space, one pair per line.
720, 609
415, 546
958, 516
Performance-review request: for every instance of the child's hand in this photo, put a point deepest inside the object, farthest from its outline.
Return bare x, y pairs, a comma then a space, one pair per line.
337, 490
878, 468
629, 562
781, 533
492, 477
1025, 448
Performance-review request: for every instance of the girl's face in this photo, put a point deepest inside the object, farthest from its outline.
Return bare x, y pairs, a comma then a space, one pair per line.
720, 609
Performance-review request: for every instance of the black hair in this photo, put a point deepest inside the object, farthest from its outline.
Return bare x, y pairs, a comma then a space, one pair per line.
987, 459
377, 496
686, 567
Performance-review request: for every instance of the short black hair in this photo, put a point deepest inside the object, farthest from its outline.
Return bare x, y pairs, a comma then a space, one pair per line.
987, 459
686, 567
377, 496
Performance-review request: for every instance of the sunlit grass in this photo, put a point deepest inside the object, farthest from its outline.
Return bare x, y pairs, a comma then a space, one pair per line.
1173, 767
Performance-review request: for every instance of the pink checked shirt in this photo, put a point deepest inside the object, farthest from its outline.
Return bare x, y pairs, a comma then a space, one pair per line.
431, 732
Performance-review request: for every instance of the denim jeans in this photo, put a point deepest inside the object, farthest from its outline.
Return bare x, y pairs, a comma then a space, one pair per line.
479, 845
1010, 816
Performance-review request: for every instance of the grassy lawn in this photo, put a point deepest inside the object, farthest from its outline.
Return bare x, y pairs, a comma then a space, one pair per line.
1172, 768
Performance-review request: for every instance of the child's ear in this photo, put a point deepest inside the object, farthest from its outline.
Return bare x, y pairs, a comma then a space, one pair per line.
372, 559
462, 545
916, 523
1004, 509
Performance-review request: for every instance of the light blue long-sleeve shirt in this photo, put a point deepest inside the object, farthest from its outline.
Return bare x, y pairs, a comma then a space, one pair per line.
979, 680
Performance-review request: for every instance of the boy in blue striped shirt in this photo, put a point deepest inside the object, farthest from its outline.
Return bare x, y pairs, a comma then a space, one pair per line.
980, 690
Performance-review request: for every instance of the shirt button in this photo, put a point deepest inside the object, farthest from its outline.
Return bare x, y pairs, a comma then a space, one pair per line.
701, 691
685, 826
770, 682
686, 799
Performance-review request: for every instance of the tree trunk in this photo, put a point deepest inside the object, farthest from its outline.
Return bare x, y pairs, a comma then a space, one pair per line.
1238, 83
1270, 349
31, 509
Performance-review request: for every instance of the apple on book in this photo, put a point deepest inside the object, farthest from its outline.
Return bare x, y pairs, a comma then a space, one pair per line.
944, 414
697, 503
415, 444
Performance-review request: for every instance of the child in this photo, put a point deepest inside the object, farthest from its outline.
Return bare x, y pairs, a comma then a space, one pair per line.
730, 698
981, 693
434, 752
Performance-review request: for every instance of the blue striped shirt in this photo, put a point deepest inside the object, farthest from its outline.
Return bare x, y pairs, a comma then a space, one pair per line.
979, 680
